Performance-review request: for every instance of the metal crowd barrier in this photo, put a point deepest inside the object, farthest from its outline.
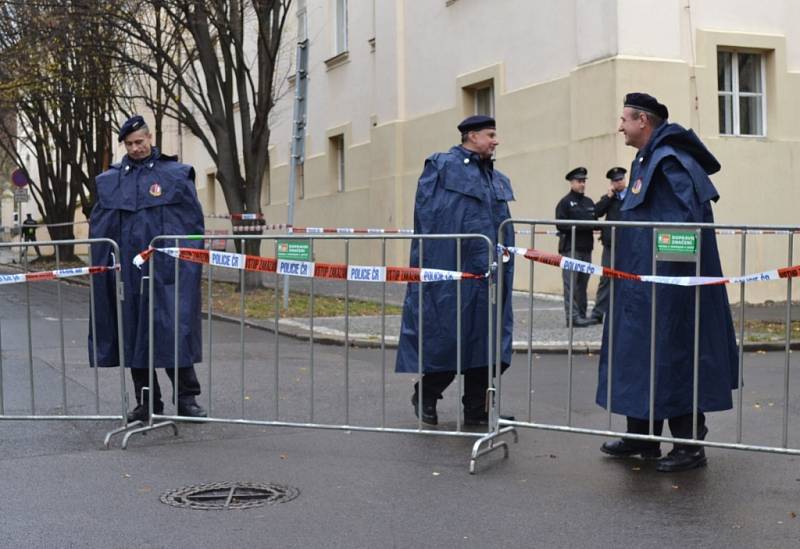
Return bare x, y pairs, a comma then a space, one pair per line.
105, 394
241, 415
569, 424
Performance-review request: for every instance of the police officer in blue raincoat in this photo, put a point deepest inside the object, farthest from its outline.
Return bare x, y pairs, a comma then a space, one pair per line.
145, 195
668, 182
459, 191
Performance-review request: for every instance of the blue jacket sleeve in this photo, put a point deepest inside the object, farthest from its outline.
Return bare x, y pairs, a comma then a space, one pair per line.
686, 207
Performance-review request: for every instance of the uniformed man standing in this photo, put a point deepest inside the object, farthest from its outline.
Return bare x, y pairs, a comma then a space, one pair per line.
576, 206
145, 195
670, 183
459, 191
608, 206
29, 233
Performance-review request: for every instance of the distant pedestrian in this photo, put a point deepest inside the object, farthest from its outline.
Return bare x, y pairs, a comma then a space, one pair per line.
669, 182
29, 234
576, 206
459, 191
145, 195
609, 207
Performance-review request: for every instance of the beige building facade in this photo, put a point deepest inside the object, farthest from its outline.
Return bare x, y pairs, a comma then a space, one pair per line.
390, 79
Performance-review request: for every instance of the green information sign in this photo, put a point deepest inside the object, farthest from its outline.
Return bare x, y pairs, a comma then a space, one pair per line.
295, 250
676, 245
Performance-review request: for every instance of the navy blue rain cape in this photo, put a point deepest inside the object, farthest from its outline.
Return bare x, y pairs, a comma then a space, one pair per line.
457, 193
136, 202
669, 182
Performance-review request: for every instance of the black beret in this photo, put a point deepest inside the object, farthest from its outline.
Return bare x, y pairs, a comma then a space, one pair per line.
616, 173
476, 123
646, 103
578, 173
135, 122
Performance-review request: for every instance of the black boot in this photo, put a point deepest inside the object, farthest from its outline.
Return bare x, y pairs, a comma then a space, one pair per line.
429, 415
631, 448
141, 413
189, 407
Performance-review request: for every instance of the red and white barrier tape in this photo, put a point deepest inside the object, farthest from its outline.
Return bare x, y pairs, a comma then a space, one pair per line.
307, 269
52, 275
346, 230
237, 216
569, 264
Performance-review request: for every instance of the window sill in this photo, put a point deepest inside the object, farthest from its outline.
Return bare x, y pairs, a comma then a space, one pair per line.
338, 60
745, 136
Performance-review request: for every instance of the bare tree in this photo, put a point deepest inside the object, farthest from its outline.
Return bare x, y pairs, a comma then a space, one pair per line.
217, 72
55, 75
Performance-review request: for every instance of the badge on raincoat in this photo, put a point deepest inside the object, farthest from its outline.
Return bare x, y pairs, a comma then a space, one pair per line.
637, 186
155, 189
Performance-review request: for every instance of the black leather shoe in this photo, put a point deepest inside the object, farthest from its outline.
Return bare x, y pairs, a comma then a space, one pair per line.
191, 409
140, 413
580, 322
428, 410
482, 419
628, 448
596, 318
682, 459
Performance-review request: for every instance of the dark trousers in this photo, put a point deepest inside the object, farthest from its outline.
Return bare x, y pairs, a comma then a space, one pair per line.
476, 382
604, 289
188, 385
679, 426
31, 238
578, 306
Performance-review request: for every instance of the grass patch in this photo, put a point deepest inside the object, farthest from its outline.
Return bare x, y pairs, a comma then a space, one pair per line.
48, 263
260, 303
765, 330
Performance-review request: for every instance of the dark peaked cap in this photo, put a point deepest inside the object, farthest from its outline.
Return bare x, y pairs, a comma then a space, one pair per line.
578, 173
646, 103
135, 122
616, 173
476, 123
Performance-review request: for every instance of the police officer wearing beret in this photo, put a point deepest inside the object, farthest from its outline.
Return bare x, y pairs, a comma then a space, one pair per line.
669, 182
145, 195
579, 207
608, 206
459, 191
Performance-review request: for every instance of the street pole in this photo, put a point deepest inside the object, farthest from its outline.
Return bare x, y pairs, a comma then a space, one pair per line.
298, 120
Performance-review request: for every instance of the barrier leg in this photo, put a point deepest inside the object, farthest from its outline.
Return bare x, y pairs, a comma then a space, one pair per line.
490, 438
147, 428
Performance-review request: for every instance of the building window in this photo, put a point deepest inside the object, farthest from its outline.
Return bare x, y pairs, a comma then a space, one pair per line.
337, 160
484, 100
741, 82
341, 26
211, 193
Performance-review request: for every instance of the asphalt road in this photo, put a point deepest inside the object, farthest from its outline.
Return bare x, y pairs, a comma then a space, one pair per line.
60, 488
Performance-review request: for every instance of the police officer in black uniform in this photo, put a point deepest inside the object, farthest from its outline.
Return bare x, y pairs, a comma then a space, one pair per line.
608, 206
576, 206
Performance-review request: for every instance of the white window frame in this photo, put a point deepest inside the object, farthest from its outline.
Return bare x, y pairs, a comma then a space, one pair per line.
338, 145
340, 26
735, 94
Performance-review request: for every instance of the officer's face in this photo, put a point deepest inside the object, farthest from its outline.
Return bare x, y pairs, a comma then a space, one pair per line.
578, 185
618, 184
484, 142
138, 144
632, 126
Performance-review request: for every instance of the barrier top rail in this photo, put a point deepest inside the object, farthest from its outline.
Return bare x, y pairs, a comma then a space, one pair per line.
657, 224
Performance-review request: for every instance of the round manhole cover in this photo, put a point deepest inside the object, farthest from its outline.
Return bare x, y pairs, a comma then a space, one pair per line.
229, 495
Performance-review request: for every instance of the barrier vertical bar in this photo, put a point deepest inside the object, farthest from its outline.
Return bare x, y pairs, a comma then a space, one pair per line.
460, 392
652, 408
742, 272
492, 361
275, 391
61, 332
2, 404
570, 315
96, 373
496, 367
347, 335
30, 332
531, 266
241, 329
419, 342
610, 319
787, 349
311, 334
120, 296
210, 283
383, 336
176, 330
150, 341
696, 350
